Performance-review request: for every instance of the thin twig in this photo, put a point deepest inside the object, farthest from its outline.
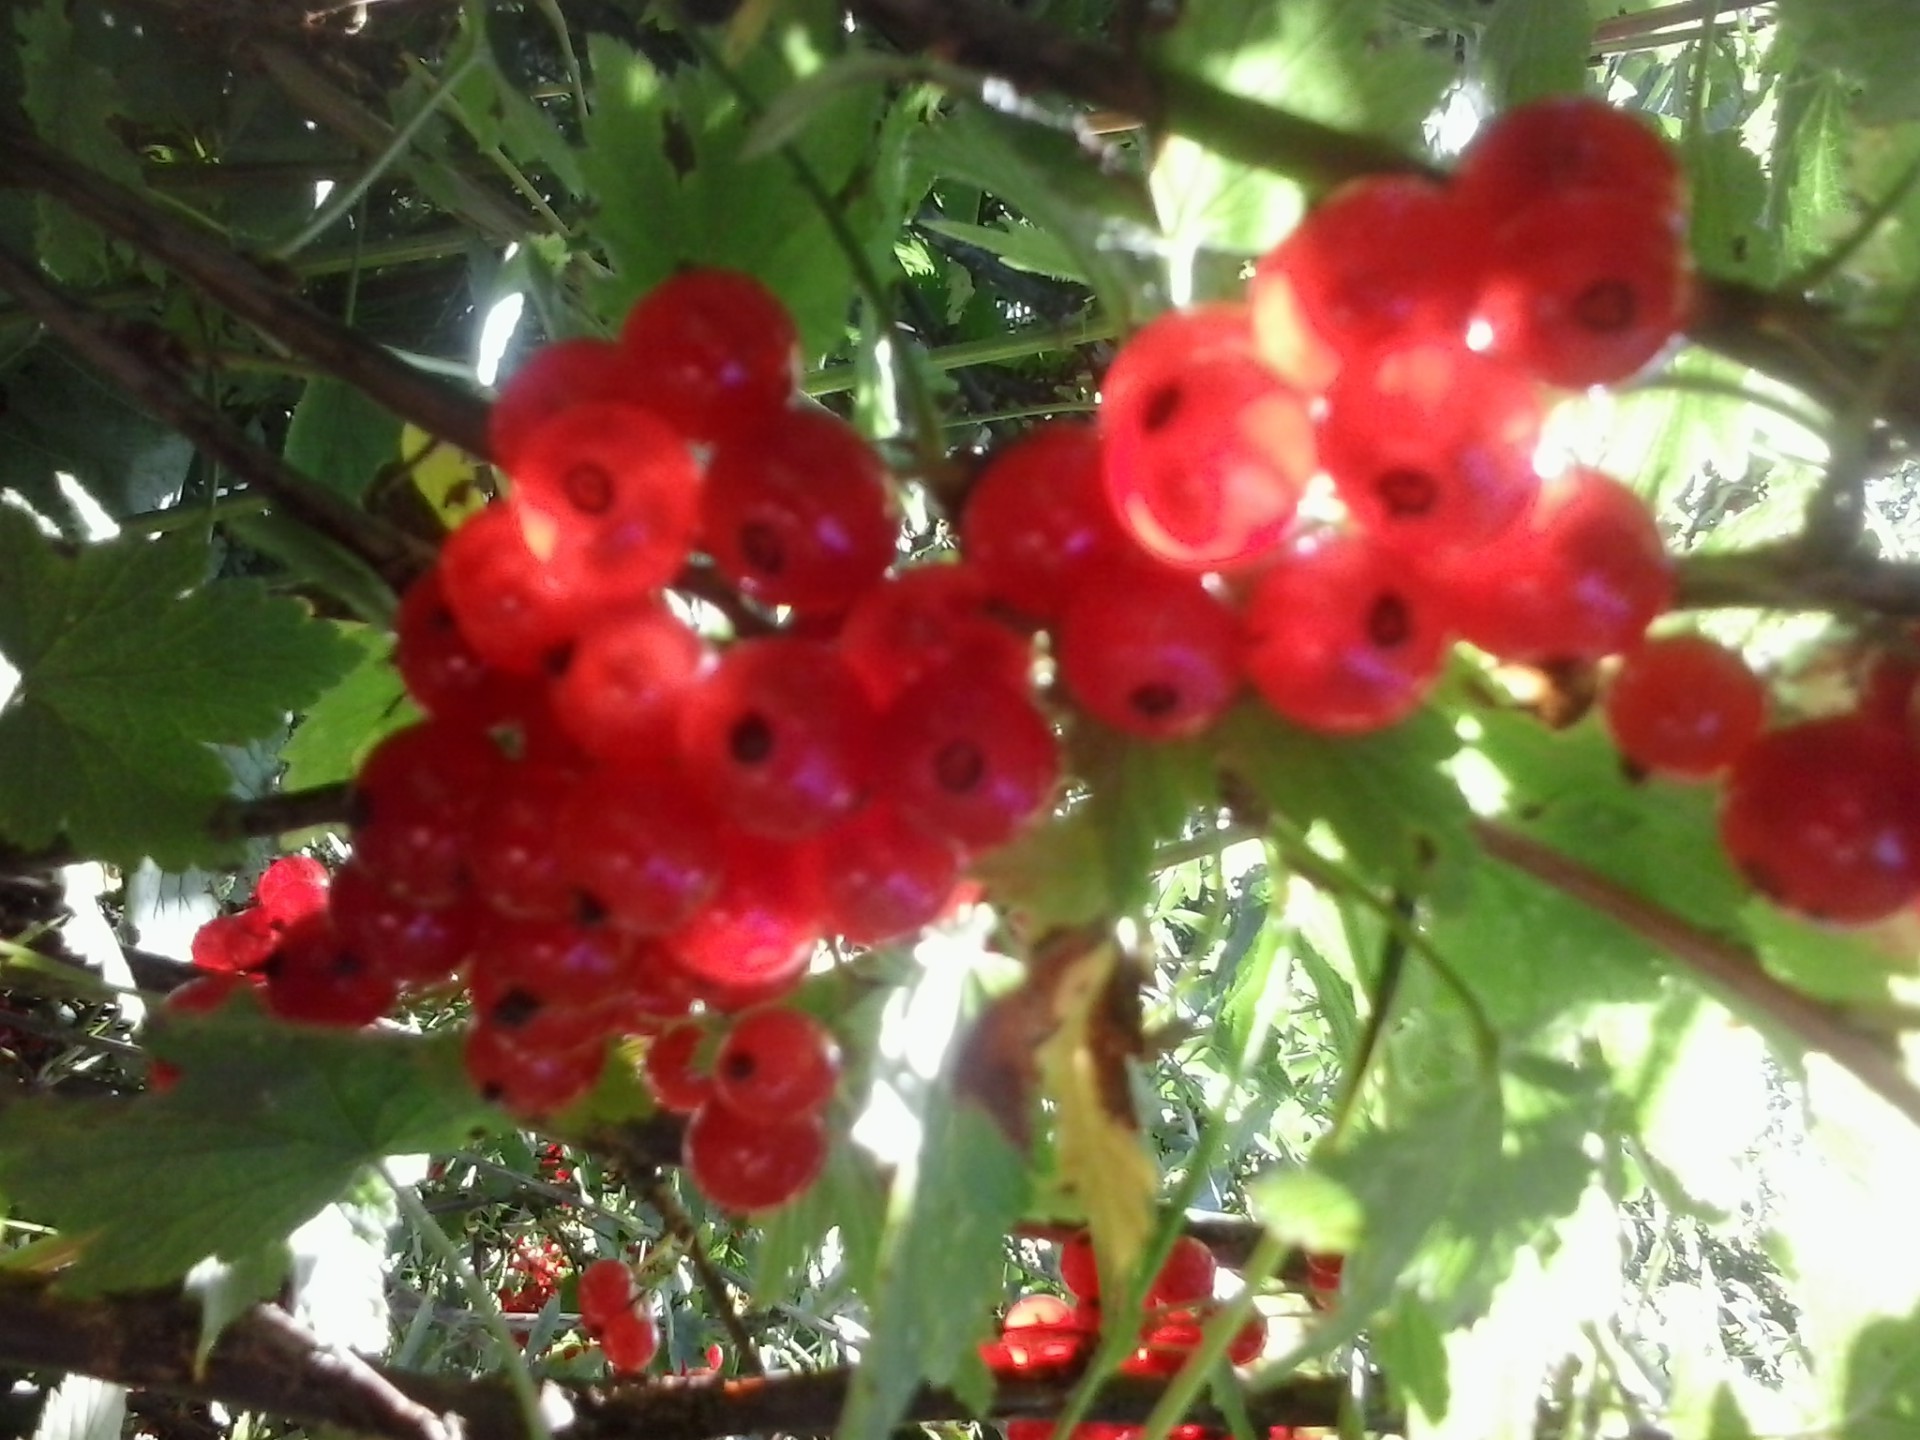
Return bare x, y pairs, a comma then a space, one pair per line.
275, 814
677, 1223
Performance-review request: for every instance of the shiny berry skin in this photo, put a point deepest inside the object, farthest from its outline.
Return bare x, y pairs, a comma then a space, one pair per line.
1249, 1342
925, 618
712, 350
1549, 147
608, 498
1149, 652
292, 888
237, 943
1037, 520
618, 692
796, 511
967, 758
605, 1289
1579, 295
528, 1082
1383, 257
1342, 637
411, 944
554, 378
1824, 819
416, 799
675, 1077
442, 672
1078, 1270
644, 850
555, 962
884, 877
758, 931
513, 859
314, 979
1580, 578
780, 732
629, 1340
512, 608
1186, 1275
1041, 1331
1684, 707
1206, 450
1431, 445
776, 1062
744, 1166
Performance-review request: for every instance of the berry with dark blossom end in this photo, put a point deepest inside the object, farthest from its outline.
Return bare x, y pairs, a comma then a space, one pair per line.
1684, 707
413, 944
442, 671
672, 1066
746, 1165
756, 933
617, 693
776, 1061
713, 350
514, 611
553, 379
644, 849
969, 758
1546, 148
528, 1082
1149, 652
315, 979
923, 619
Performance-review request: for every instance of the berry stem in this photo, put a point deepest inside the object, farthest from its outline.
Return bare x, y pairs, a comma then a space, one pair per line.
484, 1302
677, 1223
1215, 1336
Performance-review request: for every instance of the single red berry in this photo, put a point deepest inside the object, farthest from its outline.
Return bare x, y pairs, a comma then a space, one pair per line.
1580, 295
781, 733
643, 849
1383, 258
553, 379
745, 1166
292, 888
411, 944
513, 856
1684, 707
1581, 578
528, 1082
617, 693
537, 966
885, 876
1149, 652
315, 979
757, 932
678, 1082
1185, 1276
1324, 1270
512, 608
967, 758
923, 619
629, 1340
1042, 1331
235, 943
416, 799
1547, 148
1342, 637
442, 672
1249, 1342
606, 1289
796, 511
776, 1061
1206, 450
1824, 819
1431, 445
1038, 522
608, 498
1078, 1270
712, 350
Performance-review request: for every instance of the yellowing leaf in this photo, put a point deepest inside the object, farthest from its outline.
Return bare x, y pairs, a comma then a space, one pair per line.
453, 483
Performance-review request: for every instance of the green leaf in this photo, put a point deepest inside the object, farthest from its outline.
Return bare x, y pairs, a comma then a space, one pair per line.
1411, 1348
340, 437
362, 707
1385, 796
1813, 192
1868, 43
1532, 48
498, 113
267, 1124
848, 1197
941, 1263
1021, 246
1056, 874
1729, 234
130, 668
71, 102
1143, 795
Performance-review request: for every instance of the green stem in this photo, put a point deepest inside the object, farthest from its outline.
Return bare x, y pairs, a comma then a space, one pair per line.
1024, 412
1015, 345
550, 12
179, 517
1731, 390
340, 203
482, 1301
1215, 1337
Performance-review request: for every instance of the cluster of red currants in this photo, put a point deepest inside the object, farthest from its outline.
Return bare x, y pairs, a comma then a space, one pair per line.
614, 1312
534, 1272
1044, 1334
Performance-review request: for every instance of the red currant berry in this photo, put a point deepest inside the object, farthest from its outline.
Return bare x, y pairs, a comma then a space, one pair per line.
712, 350
1684, 707
922, 620
629, 1340
1249, 1342
607, 497
1431, 445
1186, 1275
758, 931
1581, 578
528, 1082
885, 876
555, 378
1078, 1270
513, 610
313, 978
291, 888
442, 672
796, 512
674, 1075
776, 1062
606, 1290
1385, 257
1206, 450
1149, 652
618, 691
644, 851
781, 732
1547, 148
1037, 521
1824, 819
1042, 1331
513, 857
1341, 637
552, 963
967, 758
745, 1165
1887, 692
410, 944
235, 943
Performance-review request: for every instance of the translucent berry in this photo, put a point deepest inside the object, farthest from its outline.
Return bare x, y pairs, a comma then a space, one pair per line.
512, 608
1546, 148
617, 693
1206, 450
605, 1289
555, 378
1149, 652
1078, 1270
1431, 445
781, 734
528, 1082
967, 758
442, 671
1186, 1275
1249, 1342
315, 979
411, 944
884, 876
1342, 637
796, 511
1580, 578
512, 856
923, 619
629, 1340
292, 888
1037, 520
759, 929
235, 943
644, 850
744, 1165
1684, 707
776, 1062
1824, 819
674, 1075
1384, 257
712, 350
